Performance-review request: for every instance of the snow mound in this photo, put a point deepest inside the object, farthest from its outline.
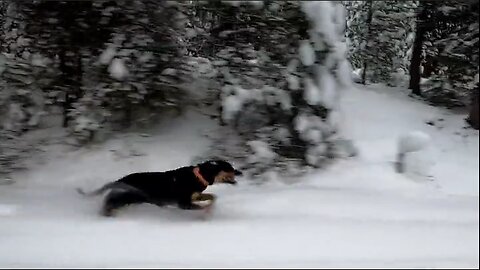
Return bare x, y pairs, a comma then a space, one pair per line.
118, 70
413, 141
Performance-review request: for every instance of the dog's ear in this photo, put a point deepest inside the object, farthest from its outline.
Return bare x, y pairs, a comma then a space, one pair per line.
210, 163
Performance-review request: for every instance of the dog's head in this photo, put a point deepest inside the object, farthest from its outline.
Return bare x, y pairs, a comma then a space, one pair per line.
219, 171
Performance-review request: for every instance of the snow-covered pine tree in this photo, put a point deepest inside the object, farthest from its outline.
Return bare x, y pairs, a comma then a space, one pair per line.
20, 109
13, 39
24, 73
380, 34
139, 70
449, 52
112, 57
67, 33
283, 65
359, 19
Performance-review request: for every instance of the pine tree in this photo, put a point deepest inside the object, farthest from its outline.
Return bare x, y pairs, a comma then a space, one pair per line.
111, 57
380, 35
448, 52
140, 68
280, 63
65, 32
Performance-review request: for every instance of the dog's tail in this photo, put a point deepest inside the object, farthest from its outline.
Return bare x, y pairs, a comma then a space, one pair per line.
97, 191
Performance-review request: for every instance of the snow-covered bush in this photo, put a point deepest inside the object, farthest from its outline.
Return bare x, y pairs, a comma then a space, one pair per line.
413, 155
282, 81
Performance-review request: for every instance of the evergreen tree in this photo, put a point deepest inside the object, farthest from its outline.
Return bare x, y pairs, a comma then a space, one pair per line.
380, 35
283, 65
140, 68
447, 50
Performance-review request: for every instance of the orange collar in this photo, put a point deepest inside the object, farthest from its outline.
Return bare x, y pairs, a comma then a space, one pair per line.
200, 178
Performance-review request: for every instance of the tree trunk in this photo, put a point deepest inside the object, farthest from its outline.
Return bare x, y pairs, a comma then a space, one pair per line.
364, 72
369, 23
66, 82
416, 60
429, 66
415, 63
473, 117
71, 68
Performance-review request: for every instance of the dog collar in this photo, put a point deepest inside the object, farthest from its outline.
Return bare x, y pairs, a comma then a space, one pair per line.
200, 178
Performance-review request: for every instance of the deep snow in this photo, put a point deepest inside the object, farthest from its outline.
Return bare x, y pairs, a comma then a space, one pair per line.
356, 213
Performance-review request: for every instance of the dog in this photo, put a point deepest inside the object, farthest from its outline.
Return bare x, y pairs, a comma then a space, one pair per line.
182, 186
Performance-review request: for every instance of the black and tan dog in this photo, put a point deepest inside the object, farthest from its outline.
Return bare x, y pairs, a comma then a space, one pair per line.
182, 186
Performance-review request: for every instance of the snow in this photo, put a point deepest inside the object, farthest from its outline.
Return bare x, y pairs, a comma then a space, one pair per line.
293, 82
418, 165
322, 15
315, 154
345, 74
233, 103
117, 69
38, 60
274, 7
328, 88
413, 141
399, 78
169, 71
302, 122
356, 75
82, 123
311, 94
307, 54
256, 4
415, 154
236, 97
355, 213
313, 136
261, 152
7, 210
107, 55
233, 3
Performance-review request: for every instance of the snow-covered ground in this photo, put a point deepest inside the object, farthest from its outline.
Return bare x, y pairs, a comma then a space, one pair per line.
357, 213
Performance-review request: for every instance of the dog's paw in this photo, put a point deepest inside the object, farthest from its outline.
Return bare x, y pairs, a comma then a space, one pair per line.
208, 211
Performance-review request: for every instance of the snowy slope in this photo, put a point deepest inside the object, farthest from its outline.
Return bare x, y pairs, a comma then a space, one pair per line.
357, 213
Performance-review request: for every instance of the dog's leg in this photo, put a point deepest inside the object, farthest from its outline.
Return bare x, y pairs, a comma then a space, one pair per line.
201, 197
208, 208
118, 198
185, 202
189, 206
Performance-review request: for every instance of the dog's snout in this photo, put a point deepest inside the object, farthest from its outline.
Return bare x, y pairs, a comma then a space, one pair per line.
226, 177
